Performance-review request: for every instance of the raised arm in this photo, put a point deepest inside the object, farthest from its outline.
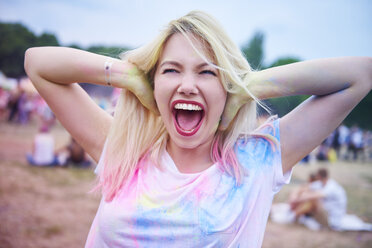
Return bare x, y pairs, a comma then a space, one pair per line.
337, 86
54, 72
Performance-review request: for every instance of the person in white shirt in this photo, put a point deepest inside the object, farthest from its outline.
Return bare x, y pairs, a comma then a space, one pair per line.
42, 148
324, 199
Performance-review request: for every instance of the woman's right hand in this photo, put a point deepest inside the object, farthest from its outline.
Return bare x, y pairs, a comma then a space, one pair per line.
136, 81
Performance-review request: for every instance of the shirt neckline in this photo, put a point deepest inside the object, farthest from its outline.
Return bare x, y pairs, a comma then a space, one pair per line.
169, 163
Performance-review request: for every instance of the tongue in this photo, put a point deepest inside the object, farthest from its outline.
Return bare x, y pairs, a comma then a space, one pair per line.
188, 120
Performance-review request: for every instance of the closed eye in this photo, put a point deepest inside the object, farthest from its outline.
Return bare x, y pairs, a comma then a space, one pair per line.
208, 72
169, 71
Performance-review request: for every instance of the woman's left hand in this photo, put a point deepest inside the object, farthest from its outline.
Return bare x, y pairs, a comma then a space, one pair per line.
233, 103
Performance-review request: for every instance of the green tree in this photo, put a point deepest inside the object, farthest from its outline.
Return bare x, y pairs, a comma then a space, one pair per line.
112, 51
254, 51
284, 61
74, 46
47, 39
14, 41
362, 114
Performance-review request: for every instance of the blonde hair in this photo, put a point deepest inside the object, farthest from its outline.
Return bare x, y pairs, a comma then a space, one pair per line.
136, 132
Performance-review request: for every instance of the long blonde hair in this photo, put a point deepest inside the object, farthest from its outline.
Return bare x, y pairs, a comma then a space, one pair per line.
136, 132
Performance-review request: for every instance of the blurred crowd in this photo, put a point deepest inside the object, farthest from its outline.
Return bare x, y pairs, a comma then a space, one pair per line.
346, 144
19, 106
22, 105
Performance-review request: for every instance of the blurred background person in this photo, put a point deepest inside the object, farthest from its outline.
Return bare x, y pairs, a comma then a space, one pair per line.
42, 149
73, 154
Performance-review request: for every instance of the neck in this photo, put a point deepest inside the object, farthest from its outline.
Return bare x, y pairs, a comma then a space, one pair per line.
191, 160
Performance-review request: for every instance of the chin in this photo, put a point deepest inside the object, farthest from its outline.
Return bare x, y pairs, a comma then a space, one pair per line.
186, 143
191, 142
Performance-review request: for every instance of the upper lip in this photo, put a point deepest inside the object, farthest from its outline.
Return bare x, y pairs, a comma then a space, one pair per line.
187, 102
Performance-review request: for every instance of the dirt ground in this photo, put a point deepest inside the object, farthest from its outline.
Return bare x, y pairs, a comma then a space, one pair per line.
52, 207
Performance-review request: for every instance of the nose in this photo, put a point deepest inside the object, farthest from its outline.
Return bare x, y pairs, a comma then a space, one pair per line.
188, 86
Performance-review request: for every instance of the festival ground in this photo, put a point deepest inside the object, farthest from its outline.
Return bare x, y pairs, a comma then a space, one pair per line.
51, 207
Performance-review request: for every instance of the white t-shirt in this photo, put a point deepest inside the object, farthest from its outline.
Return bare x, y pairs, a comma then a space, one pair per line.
357, 138
43, 149
334, 202
167, 208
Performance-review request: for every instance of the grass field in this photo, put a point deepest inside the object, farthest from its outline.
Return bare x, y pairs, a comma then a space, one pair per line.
51, 207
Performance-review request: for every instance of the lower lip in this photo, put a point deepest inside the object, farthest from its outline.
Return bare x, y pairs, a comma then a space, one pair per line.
187, 133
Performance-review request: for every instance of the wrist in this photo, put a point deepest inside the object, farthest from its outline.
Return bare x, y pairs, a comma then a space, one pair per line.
119, 74
252, 84
262, 86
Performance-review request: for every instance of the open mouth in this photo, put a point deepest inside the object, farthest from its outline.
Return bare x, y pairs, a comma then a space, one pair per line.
187, 116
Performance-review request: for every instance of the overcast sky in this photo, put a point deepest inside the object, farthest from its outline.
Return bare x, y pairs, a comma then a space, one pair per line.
306, 29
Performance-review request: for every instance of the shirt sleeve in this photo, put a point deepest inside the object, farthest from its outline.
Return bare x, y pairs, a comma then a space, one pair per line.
271, 130
280, 178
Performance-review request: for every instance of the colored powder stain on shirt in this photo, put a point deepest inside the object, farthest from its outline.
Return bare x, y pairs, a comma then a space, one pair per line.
146, 202
220, 210
208, 209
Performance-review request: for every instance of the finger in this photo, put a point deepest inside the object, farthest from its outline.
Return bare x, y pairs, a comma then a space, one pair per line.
146, 98
233, 104
150, 105
227, 117
138, 84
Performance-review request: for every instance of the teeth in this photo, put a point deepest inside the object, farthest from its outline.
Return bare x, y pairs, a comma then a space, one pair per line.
187, 106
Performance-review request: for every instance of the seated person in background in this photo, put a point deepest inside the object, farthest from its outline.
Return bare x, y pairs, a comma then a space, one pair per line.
73, 154
301, 207
325, 201
42, 148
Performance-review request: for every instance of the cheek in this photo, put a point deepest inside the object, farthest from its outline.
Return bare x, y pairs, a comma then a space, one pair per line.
220, 98
160, 94
157, 89
156, 92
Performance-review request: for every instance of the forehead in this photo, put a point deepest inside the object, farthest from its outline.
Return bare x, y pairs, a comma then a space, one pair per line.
179, 47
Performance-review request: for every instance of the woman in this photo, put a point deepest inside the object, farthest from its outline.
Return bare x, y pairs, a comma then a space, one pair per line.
201, 174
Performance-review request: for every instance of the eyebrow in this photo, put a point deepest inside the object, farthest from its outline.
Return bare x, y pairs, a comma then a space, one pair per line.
171, 62
175, 63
